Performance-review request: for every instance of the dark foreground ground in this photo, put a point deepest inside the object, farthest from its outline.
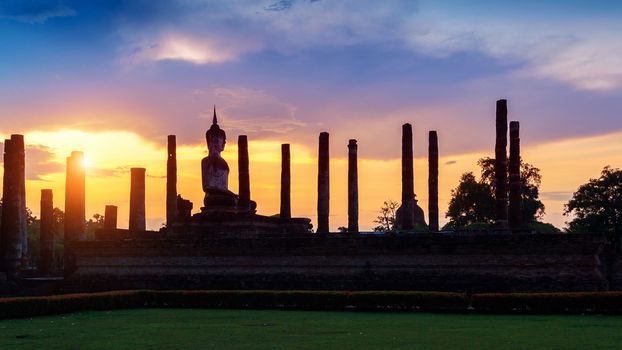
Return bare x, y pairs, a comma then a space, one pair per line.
265, 329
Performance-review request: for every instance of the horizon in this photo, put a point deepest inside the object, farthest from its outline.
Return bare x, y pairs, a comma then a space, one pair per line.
113, 79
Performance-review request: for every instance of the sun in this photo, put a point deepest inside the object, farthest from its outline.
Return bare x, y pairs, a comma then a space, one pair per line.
86, 162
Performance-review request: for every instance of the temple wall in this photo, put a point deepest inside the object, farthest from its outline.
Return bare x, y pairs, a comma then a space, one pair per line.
473, 263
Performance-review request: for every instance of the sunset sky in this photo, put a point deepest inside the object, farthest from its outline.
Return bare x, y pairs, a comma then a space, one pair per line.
114, 78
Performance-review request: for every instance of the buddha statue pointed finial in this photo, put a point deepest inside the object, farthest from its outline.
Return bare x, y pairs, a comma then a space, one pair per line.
215, 120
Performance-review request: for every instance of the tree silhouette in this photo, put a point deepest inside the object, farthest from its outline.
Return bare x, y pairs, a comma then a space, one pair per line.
472, 203
386, 219
597, 205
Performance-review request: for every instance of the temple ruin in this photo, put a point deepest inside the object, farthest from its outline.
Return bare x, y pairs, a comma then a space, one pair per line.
227, 245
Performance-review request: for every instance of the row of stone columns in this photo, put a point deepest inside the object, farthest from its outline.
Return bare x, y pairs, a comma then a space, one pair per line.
408, 195
508, 211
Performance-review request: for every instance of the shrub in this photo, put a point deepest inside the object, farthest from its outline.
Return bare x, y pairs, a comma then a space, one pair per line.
547, 303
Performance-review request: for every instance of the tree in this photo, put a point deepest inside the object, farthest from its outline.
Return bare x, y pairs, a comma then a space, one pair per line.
34, 235
473, 202
386, 219
531, 180
597, 205
96, 223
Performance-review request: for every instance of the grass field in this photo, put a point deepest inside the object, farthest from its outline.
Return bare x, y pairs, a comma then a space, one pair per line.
265, 329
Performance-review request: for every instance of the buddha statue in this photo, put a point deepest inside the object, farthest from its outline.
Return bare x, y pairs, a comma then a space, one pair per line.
215, 171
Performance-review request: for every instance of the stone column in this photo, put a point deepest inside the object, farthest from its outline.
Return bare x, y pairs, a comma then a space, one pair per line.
137, 200
18, 142
13, 230
74, 198
46, 233
408, 181
286, 184
515, 209
6, 212
501, 166
433, 181
353, 188
244, 176
110, 217
323, 184
171, 183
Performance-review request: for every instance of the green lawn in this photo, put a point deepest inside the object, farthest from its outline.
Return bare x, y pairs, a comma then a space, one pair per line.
259, 329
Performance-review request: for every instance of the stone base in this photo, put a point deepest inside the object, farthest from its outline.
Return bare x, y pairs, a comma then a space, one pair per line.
232, 223
436, 262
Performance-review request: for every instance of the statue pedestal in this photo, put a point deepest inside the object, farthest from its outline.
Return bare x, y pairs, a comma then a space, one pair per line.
230, 222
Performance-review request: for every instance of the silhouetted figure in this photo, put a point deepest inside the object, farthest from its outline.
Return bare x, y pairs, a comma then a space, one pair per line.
215, 171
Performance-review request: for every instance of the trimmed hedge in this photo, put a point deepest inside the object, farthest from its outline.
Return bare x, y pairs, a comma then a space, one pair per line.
540, 303
300, 300
549, 303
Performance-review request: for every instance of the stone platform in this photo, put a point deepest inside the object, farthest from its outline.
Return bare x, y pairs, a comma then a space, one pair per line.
234, 224
472, 263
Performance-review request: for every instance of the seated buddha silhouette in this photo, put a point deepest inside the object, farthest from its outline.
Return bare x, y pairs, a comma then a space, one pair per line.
215, 171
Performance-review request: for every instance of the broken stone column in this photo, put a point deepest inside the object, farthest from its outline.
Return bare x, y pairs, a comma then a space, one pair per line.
138, 220
323, 184
408, 182
171, 182
74, 198
46, 233
244, 201
13, 232
433, 181
515, 215
110, 217
501, 166
353, 188
286, 184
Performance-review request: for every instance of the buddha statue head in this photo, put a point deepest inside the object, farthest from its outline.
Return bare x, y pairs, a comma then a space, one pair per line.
215, 137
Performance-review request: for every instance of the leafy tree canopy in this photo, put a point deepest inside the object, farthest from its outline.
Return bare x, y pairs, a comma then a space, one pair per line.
472, 203
597, 205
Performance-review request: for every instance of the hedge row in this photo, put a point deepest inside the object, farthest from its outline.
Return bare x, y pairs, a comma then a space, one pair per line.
542, 303
548, 303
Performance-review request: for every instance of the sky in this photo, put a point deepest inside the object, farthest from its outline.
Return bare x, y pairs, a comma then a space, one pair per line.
114, 78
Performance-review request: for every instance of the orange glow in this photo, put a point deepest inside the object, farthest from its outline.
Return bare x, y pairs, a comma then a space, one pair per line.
108, 178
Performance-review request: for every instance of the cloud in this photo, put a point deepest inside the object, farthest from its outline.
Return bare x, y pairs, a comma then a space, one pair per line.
208, 33
34, 11
262, 114
40, 161
108, 172
581, 52
556, 196
186, 47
